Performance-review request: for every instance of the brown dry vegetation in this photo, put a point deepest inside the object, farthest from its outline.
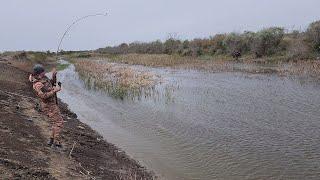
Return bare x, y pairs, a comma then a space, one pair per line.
26, 59
248, 64
300, 68
119, 80
164, 60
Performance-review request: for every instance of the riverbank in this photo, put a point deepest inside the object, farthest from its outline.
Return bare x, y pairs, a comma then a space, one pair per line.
24, 131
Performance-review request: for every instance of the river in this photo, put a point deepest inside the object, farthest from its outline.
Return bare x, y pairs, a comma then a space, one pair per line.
210, 125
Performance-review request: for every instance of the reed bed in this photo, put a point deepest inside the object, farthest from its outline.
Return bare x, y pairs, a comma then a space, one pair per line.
119, 80
301, 68
309, 68
175, 61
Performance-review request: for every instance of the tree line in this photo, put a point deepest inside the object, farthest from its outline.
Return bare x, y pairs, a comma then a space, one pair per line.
266, 42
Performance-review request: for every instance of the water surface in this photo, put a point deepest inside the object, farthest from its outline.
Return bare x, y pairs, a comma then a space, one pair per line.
210, 125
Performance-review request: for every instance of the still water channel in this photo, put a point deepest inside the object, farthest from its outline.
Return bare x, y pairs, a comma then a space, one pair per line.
207, 126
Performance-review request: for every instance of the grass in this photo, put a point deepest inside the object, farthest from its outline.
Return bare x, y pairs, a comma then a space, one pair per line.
155, 60
301, 68
61, 67
120, 81
25, 60
207, 63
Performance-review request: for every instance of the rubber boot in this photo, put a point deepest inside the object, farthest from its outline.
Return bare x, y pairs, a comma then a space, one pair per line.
50, 142
57, 145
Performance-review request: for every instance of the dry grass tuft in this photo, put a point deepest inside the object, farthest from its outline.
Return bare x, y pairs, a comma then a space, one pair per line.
119, 80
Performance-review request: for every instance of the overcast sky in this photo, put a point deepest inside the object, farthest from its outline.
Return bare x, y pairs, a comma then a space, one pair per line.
38, 24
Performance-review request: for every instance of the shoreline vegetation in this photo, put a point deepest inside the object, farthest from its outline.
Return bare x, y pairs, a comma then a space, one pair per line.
270, 44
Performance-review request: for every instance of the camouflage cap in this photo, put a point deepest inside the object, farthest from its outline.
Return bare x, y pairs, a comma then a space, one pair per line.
38, 69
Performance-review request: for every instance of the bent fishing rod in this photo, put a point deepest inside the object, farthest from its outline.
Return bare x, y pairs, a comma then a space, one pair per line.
74, 23
66, 32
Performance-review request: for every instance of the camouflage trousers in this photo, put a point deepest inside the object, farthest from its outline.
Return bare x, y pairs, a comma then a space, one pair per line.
56, 120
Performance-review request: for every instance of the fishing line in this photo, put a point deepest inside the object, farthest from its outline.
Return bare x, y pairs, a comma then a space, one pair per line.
72, 24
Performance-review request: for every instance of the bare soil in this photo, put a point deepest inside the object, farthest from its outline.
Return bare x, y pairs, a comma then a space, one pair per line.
24, 133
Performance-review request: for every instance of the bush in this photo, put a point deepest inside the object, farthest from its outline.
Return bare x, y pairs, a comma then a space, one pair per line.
217, 45
313, 36
248, 38
172, 46
297, 49
84, 55
233, 42
39, 57
196, 47
155, 47
267, 41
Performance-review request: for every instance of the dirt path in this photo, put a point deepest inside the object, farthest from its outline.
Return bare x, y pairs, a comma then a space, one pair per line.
24, 133
60, 165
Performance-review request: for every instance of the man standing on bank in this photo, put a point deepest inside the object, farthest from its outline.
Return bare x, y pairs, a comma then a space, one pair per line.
46, 90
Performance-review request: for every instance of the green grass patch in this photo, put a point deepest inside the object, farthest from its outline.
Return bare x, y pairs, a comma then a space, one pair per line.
61, 67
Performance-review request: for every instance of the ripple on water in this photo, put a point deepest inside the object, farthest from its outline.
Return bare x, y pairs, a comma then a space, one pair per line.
215, 126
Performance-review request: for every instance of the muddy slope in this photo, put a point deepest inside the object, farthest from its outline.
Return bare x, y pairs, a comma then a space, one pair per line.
24, 133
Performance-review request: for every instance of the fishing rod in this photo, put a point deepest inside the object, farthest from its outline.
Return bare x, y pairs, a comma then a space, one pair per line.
72, 24
65, 33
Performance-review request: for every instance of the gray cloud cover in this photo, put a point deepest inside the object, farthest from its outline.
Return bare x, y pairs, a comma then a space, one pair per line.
38, 24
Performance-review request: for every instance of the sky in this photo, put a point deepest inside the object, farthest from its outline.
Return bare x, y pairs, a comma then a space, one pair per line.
39, 24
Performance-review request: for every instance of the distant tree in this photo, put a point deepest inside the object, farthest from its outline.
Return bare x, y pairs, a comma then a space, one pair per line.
270, 41
196, 47
297, 48
234, 44
171, 46
217, 45
248, 38
267, 41
123, 48
295, 34
156, 47
313, 35
186, 49
185, 44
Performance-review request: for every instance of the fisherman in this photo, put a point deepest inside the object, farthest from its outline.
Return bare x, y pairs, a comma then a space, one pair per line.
46, 90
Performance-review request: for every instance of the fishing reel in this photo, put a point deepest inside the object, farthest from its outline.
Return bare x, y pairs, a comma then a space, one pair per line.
59, 84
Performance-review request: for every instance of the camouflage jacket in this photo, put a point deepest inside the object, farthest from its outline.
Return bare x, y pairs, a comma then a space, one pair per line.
43, 88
